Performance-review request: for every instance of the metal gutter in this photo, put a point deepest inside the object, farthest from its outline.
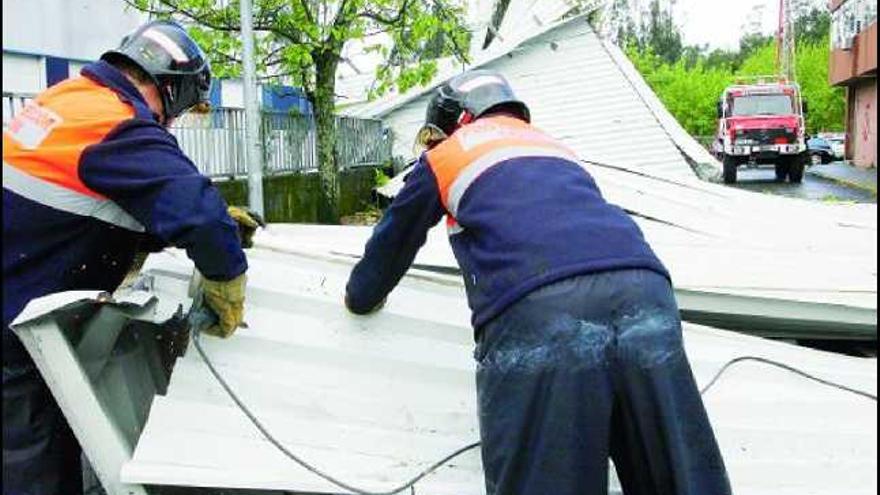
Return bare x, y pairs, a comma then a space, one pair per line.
96, 355
39, 329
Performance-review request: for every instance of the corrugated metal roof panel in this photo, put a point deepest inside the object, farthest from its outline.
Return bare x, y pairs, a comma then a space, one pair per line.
578, 93
580, 89
717, 280
374, 399
696, 262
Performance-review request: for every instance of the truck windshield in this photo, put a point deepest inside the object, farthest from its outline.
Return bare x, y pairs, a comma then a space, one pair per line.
762, 105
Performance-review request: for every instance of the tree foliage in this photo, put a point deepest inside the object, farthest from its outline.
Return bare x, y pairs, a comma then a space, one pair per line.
300, 42
826, 102
690, 84
689, 93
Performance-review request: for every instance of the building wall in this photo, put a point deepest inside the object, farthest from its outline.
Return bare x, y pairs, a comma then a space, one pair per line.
856, 59
862, 128
72, 29
296, 197
23, 73
46, 41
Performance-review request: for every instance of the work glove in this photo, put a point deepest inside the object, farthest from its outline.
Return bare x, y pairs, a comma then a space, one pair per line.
247, 221
226, 298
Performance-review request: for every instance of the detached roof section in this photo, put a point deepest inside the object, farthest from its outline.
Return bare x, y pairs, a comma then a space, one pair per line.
758, 286
374, 400
580, 89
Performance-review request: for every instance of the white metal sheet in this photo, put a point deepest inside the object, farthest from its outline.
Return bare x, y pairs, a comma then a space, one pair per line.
375, 399
579, 93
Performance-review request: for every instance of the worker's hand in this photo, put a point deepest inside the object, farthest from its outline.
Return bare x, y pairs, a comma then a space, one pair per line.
226, 298
372, 310
247, 221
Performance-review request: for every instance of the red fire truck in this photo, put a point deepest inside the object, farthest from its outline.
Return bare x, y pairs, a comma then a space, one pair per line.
762, 123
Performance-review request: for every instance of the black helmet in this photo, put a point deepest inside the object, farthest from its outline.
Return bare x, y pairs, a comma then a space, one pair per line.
174, 61
464, 98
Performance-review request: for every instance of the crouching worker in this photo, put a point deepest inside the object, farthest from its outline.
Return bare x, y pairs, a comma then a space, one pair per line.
91, 176
579, 343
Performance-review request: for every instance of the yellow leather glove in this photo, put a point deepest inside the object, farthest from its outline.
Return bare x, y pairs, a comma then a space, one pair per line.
247, 221
226, 298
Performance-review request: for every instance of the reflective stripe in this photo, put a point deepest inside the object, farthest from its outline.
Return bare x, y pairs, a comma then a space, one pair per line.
479, 81
168, 44
473, 170
61, 198
453, 227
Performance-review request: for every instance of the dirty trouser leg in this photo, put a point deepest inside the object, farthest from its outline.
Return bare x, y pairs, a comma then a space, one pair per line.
661, 441
40, 453
545, 394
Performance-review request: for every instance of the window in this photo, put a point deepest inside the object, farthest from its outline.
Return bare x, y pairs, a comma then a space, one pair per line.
849, 20
762, 105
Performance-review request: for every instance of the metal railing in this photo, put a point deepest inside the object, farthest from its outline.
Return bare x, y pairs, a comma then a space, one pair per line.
12, 104
362, 142
215, 141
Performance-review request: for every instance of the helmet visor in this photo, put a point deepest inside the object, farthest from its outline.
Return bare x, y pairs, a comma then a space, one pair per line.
428, 136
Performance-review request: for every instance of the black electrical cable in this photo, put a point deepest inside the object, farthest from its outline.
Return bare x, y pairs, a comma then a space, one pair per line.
199, 322
196, 329
786, 367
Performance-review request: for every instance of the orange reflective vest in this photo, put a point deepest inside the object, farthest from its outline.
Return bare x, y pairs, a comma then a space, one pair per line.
477, 147
521, 212
89, 178
43, 144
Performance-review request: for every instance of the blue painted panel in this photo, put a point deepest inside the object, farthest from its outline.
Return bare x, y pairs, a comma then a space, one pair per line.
57, 70
285, 98
214, 97
35, 54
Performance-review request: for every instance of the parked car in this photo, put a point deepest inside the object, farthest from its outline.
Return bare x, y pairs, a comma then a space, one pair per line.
838, 144
820, 150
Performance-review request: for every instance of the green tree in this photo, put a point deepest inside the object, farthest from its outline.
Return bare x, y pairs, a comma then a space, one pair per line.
690, 84
660, 33
689, 93
813, 26
300, 42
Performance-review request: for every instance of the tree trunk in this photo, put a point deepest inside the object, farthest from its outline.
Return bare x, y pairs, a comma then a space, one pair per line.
325, 123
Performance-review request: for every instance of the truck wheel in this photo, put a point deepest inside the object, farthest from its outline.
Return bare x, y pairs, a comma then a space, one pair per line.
730, 164
816, 159
782, 169
796, 170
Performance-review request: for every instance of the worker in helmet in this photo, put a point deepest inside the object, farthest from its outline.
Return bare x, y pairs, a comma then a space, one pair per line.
91, 176
578, 339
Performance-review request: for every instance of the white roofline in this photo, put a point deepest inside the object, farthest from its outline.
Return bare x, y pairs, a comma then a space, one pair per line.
381, 108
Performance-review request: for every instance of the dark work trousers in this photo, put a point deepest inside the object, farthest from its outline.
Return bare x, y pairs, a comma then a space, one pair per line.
41, 456
587, 368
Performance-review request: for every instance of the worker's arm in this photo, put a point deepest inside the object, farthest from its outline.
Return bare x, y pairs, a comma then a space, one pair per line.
395, 241
141, 168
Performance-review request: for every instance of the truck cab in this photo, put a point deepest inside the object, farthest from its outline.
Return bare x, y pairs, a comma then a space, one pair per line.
761, 124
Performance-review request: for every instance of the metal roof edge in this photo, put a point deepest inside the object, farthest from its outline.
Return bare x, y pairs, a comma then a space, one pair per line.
670, 125
383, 108
41, 307
44, 306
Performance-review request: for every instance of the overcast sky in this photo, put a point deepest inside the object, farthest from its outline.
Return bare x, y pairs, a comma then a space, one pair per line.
720, 23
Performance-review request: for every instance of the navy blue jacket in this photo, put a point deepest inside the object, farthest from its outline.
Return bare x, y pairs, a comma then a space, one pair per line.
139, 190
522, 212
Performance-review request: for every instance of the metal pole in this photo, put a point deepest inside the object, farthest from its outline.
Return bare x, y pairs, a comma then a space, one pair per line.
254, 153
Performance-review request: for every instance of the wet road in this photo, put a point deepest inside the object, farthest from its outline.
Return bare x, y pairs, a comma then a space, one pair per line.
812, 188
